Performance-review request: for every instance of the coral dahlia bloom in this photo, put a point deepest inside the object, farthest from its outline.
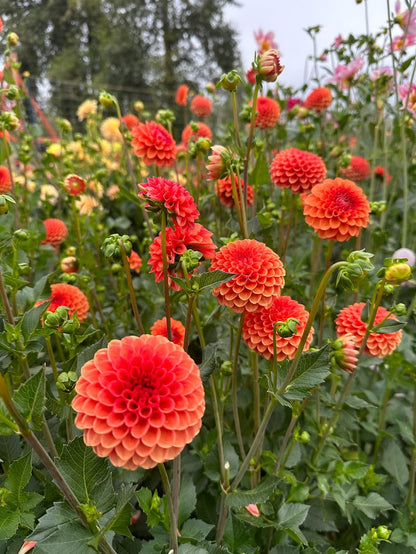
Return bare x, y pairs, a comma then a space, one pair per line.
139, 401
201, 106
258, 328
152, 142
337, 209
63, 294
130, 121
268, 112
319, 99
378, 344
74, 185
159, 327
5, 180
173, 197
135, 261
203, 131
182, 95
224, 191
297, 169
56, 232
259, 275
110, 129
358, 170
381, 174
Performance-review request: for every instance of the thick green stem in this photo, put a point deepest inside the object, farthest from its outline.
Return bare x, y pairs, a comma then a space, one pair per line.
250, 140
410, 497
173, 529
133, 302
234, 387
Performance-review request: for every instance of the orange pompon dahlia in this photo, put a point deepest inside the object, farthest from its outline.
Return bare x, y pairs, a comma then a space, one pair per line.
135, 261
130, 121
5, 180
337, 209
224, 191
258, 328
178, 240
63, 294
259, 275
173, 197
268, 112
154, 144
203, 131
201, 106
139, 401
378, 344
358, 170
319, 99
74, 185
182, 95
297, 169
56, 232
159, 327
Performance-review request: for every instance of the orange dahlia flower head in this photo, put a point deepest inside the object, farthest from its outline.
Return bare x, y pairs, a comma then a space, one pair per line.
135, 261
182, 95
201, 106
259, 275
56, 232
140, 401
297, 169
130, 120
268, 112
224, 191
159, 327
153, 144
189, 133
319, 99
63, 294
5, 180
358, 170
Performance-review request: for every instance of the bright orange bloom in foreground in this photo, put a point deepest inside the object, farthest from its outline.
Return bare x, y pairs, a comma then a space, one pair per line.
201, 106
318, 99
224, 191
189, 134
259, 275
182, 95
178, 330
297, 169
74, 185
63, 294
5, 180
378, 344
337, 209
139, 401
258, 328
268, 112
358, 170
154, 144
56, 232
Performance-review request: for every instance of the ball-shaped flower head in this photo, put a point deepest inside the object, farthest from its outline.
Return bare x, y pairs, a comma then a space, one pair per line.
259, 275
201, 106
5, 180
358, 170
319, 99
63, 294
382, 175
130, 121
139, 401
110, 129
56, 232
173, 197
224, 191
135, 261
258, 328
297, 169
182, 95
159, 327
74, 184
268, 112
378, 344
154, 144
203, 131
337, 209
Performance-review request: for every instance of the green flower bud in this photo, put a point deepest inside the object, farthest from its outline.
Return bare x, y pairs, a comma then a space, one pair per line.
90, 511
24, 268
13, 39
51, 320
107, 100
229, 81
4, 206
398, 273
383, 532
191, 259
12, 92
71, 325
344, 160
165, 117
400, 309
62, 312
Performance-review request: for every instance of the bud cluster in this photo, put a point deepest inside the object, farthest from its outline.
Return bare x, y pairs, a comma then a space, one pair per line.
111, 246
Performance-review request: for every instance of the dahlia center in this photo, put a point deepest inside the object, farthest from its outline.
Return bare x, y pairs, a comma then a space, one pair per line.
343, 200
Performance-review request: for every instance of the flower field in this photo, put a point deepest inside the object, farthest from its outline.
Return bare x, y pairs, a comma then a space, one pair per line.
207, 329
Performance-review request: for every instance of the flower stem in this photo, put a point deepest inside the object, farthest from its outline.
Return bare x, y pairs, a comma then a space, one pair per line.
173, 528
130, 287
410, 497
234, 387
165, 273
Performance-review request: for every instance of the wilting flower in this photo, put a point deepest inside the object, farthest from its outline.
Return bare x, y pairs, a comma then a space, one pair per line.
344, 352
297, 169
74, 185
190, 133
5, 180
269, 65
259, 275
56, 232
408, 97
224, 191
319, 99
406, 253
217, 162
201, 106
154, 144
130, 121
265, 41
358, 170
182, 95
173, 197
381, 173
63, 294
110, 129
69, 264
139, 401
159, 327
86, 204
268, 112
344, 73
135, 261
337, 209
88, 107
378, 344
258, 328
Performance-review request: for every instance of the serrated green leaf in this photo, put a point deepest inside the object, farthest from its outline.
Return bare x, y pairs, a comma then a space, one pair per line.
389, 326
261, 493
144, 498
372, 504
31, 320
260, 174
9, 522
211, 279
30, 400
195, 529
209, 361
18, 477
365, 312
290, 517
7, 426
89, 352
119, 521
42, 289
187, 500
356, 470
395, 463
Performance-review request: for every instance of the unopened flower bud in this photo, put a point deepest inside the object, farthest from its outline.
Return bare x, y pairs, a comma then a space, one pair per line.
383, 532
164, 117
269, 65
51, 320
229, 81
13, 39
302, 437
344, 160
69, 264
107, 100
191, 259
288, 328
335, 152
12, 92
399, 309
138, 106
21, 234
405, 254
344, 353
398, 273
9, 121
24, 268
68, 278
217, 165
4, 207
71, 325
302, 113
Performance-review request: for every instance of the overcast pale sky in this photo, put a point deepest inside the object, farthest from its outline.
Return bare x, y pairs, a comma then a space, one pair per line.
288, 19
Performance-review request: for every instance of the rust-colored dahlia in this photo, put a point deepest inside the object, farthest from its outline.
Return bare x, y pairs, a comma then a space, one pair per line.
154, 144
159, 327
63, 294
56, 232
201, 106
224, 191
337, 209
259, 275
297, 169
135, 261
178, 240
139, 401
203, 131
258, 328
130, 121
74, 184
319, 99
358, 170
182, 95
378, 344
173, 197
5, 180
268, 112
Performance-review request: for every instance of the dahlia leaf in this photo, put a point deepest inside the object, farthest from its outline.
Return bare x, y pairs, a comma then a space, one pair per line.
261, 493
120, 518
395, 463
187, 500
290, 517
18, 477
9, 522
212, 279
372, 504
260, 174
195, 529
30, 400
31, 319
365, 312
88, 352
389, 326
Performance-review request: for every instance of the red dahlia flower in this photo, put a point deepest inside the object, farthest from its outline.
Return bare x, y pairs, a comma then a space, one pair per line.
358, 170
182, 95
258, 328
297, 169
268, 112
189, 134
159, 327
135, 261
74, 185
381, 174
154, 144
318, 99
259, 275
224, 191
5, 180
201, 106
56, 232
130, 121
378, 344
72, 297
139, 401
337, 209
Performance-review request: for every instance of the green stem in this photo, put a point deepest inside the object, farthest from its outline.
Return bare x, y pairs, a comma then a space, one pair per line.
410, 497
165, 273
235, 114
173, 528
323, 314
130, 287
381, 421
250, 140
234, 387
